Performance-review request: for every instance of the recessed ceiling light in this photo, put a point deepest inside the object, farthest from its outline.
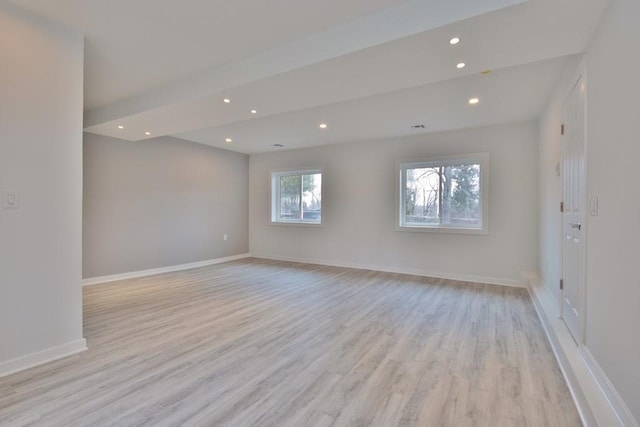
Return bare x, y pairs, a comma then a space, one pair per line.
254, 111
461, 65
323, 125
147, 133
120, 127
454, 40
228, 140
474, 101
226, 100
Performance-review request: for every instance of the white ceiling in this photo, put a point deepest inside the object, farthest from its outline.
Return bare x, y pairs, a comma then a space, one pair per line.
368, 68
508, 95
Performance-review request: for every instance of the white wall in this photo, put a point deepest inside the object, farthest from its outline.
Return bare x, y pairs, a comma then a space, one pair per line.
161, 202
613, 282
41, 78
359, 207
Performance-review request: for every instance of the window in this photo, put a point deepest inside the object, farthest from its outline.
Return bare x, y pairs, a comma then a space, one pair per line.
296, 197
445, 194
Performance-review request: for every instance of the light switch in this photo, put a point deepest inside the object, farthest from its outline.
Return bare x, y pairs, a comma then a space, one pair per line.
11, 200
593, 206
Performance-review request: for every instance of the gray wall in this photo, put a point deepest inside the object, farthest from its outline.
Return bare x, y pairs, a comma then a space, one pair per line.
359, 207
159, 203
41, 158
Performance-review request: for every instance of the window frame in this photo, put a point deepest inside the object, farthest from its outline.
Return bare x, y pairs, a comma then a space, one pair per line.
275, 176
481, 159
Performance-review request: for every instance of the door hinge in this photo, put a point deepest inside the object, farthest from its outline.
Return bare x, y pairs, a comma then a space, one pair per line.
562, 129
562, 207
561, 284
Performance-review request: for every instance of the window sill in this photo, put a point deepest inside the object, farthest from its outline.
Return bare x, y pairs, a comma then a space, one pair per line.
297, 224
445, 230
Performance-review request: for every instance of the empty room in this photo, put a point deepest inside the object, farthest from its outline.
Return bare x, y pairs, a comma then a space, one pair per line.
334, 213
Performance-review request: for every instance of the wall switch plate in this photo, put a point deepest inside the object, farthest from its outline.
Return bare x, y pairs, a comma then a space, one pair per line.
225, 237
11, 199
593, 206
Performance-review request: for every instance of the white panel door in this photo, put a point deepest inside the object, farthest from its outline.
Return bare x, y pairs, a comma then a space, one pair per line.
573, 160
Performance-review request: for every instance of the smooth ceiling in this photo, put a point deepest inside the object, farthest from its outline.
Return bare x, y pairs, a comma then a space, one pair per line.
369, 68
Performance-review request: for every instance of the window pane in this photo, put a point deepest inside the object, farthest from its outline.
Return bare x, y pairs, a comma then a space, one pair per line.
312, 197
442, 195
463, 202
296, 197
422, 195
290, 197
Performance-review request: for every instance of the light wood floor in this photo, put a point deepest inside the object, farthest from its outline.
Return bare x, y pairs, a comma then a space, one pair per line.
268, 343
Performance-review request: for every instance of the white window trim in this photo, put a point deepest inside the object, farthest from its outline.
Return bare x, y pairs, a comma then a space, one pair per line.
481, 158
275, 197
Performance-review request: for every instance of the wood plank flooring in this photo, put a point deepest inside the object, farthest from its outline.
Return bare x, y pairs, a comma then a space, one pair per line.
266, 343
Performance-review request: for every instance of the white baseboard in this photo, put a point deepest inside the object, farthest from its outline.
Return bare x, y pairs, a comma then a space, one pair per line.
415, 272
594, 406
153, 271
622, 411
49, 355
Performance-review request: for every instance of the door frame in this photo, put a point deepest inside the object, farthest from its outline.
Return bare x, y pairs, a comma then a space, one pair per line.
581, 72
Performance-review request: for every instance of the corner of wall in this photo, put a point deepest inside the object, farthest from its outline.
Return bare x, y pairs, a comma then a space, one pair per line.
41, 158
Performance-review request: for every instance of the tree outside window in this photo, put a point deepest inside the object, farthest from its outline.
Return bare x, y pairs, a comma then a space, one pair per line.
441, 194
297, 197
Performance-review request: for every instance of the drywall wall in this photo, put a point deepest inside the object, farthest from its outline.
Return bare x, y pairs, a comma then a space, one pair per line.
359, 190
41, 80
613, 283
612, 342
160, 203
